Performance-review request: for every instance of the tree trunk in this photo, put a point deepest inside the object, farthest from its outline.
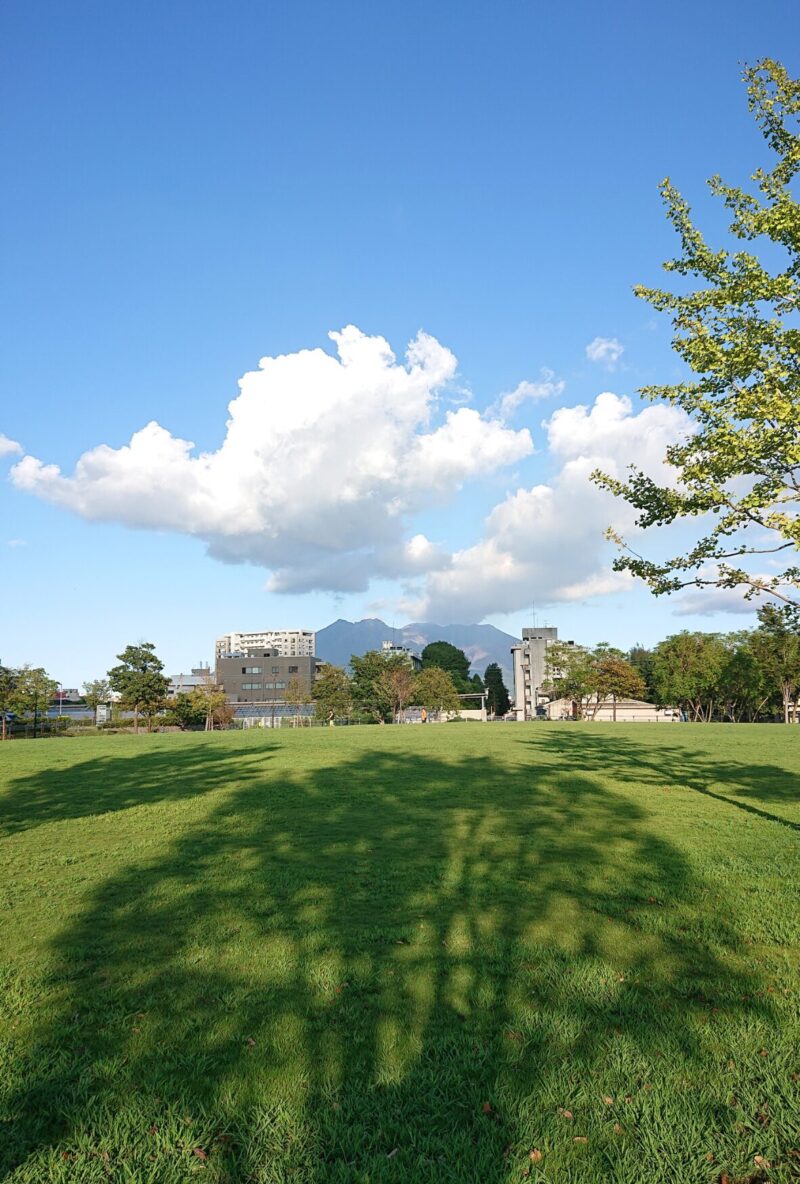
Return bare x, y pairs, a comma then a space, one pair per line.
614, 708
136, 720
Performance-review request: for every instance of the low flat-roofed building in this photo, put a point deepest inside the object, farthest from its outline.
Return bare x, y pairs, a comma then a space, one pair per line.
626, 711
184, 684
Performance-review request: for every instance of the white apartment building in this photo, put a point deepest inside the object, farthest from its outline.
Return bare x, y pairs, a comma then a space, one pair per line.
290, 643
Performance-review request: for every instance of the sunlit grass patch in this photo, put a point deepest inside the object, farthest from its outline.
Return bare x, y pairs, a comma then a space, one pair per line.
402, 954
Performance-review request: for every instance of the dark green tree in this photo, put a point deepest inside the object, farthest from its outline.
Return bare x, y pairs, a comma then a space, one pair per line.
332, 692
497, 697
445, 656
643, 660
687, 671
744, 690
8, 693
372, 690
139, 682
775, 644
185, 713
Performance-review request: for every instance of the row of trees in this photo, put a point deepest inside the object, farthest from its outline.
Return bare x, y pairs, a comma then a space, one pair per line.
591, 678
752, 674
382, 686
141, 686
25, 691
749, 675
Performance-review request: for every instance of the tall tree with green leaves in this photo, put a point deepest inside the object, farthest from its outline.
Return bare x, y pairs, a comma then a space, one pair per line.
449, 657
687, 671
371, 690
642, 660
332, 692
96, 691
210, 700
435, 690
743, 689
397, 685
34, 692
738, 471
139, 682
776, 648
497, 697
8, 691
615, 678
570, 674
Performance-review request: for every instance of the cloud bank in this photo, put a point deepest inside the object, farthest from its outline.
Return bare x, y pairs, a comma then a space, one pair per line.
324, 461
546, 543
327, 460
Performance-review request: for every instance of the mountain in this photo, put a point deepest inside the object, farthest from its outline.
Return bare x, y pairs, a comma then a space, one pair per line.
481, 643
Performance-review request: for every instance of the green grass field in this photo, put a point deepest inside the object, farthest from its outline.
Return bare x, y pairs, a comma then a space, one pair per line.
402, 954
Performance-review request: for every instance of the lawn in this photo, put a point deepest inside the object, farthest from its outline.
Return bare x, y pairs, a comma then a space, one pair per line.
563, 953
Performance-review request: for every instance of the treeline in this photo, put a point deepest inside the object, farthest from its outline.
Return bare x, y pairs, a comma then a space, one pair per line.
25, 692
745, 676
379, 687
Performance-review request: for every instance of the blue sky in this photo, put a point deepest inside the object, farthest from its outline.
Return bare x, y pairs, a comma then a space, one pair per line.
192, 187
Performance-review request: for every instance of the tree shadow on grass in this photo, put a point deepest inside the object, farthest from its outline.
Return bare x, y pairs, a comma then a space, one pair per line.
633, 759
110, 783
396, 968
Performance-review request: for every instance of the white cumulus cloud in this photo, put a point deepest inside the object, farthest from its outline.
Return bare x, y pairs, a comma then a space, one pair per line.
323, 463
605, 350
9, 447
546, 542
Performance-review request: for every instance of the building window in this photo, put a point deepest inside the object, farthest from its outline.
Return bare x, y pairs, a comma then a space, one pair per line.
276, 669
293, 669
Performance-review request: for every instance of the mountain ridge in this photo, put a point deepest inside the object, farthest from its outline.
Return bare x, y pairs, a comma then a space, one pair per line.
481, 643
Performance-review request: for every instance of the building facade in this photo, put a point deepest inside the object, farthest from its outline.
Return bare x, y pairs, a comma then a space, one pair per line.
184, 684
530, 662
261, 675
290, 643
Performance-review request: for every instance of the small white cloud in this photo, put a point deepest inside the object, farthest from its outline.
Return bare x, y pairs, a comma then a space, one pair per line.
16, 543
9, 447
605, 350
547, 386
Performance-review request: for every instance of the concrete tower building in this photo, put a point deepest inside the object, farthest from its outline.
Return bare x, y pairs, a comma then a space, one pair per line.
529, 657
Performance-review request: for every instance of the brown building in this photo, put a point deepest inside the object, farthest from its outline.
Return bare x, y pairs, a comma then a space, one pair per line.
262, 675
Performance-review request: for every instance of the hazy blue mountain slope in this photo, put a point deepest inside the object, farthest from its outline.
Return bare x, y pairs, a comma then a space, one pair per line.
481, 643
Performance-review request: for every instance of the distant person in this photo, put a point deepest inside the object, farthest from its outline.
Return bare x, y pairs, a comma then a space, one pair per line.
423, 715
331, 720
